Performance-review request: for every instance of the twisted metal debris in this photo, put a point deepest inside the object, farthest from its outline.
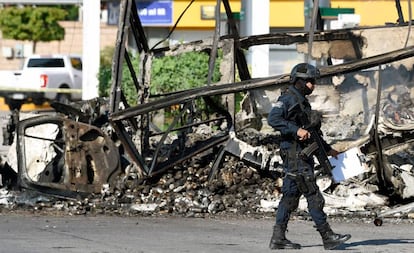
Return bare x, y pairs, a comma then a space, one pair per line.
115, 158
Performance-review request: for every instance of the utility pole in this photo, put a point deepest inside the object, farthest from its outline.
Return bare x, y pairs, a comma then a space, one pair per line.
256, 22
91, 48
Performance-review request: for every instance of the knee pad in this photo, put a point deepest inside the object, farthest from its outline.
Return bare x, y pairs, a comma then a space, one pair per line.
316, 201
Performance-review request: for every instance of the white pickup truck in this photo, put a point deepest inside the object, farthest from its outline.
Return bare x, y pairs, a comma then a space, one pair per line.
43, 78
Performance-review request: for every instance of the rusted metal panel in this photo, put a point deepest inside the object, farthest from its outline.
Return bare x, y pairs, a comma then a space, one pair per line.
63, 157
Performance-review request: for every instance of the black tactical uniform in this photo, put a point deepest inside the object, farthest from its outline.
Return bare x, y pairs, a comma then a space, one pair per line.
291, 112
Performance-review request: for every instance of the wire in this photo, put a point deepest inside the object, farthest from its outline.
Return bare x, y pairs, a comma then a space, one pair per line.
409, 23
75, 27
175, 25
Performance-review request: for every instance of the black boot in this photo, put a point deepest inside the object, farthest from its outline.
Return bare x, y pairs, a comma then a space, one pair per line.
279, 240
330, 239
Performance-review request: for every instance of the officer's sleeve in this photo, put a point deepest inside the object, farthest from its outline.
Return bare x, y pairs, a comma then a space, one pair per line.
278, 118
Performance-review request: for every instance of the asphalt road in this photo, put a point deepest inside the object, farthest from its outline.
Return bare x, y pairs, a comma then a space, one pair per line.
31, 234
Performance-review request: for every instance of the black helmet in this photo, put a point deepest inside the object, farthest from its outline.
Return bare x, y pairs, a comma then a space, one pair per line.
304, 71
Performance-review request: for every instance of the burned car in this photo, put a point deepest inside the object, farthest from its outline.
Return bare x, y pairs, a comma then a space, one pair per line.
81, 149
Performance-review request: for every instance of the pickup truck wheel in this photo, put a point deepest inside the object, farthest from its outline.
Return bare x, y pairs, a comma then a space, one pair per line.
63, 98
14, 104
38, 102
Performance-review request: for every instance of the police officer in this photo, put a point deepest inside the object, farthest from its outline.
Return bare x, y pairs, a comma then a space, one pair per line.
290, 115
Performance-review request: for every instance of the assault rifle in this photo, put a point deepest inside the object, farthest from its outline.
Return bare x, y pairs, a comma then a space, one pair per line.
316, 148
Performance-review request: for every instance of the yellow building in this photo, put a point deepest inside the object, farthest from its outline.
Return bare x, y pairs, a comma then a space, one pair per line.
289, 13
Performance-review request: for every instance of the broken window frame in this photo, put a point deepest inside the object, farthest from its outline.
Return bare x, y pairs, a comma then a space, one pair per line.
91, 159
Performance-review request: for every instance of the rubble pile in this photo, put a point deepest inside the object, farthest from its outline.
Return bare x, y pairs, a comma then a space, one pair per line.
190, 190
236, 189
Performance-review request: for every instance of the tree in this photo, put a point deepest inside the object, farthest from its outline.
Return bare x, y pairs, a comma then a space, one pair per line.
32, 23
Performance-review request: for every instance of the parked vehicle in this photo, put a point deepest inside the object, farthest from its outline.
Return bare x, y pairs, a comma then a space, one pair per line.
43, 78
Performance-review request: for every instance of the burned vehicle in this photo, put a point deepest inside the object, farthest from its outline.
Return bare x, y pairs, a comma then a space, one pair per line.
61, 156
90, 146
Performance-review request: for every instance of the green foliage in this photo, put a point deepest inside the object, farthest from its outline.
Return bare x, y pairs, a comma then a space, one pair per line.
105, 71
107, 55
127, 84
182, 72
72, 11
33, 24
171, 73
105, 76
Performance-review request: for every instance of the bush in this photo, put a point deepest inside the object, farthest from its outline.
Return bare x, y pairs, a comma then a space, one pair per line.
105, 71
168, 74
182, 72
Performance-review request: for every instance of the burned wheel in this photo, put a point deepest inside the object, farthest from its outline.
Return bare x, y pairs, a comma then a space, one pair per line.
378, 222
38, 101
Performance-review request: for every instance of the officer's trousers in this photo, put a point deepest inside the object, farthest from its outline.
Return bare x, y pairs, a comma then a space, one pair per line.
292, 191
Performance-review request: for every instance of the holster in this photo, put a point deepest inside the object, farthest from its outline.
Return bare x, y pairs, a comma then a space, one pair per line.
306, 184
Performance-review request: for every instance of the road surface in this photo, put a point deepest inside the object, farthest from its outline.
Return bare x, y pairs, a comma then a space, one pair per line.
47, 234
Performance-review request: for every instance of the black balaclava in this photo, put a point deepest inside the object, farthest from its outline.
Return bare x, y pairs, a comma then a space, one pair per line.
302, 88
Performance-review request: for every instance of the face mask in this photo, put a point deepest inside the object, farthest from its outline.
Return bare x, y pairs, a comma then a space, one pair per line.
303, 89
307, 91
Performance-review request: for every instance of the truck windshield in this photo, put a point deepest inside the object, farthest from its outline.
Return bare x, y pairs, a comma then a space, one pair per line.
46, 63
